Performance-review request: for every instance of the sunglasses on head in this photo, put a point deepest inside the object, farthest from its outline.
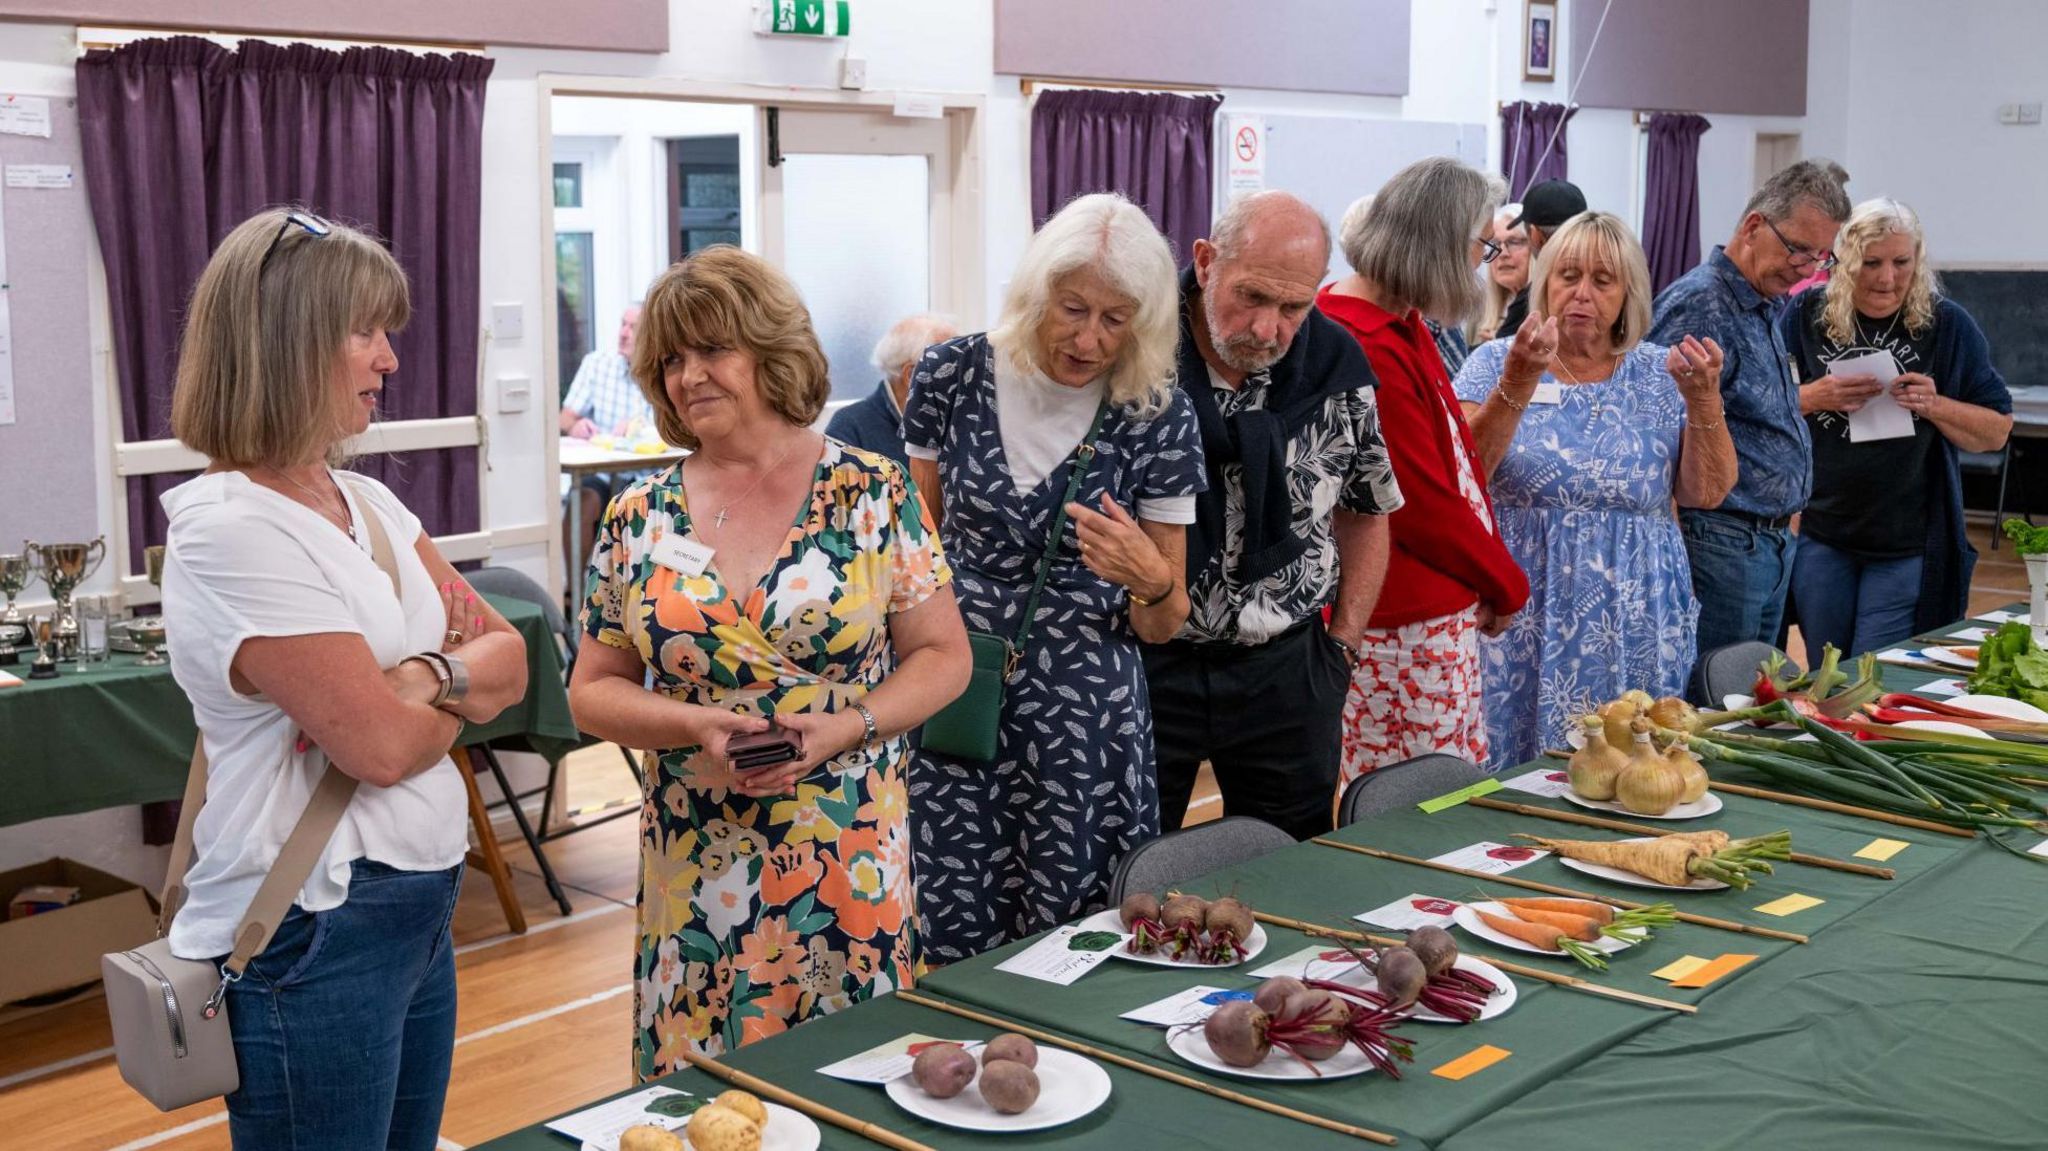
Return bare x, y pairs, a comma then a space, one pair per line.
313, 226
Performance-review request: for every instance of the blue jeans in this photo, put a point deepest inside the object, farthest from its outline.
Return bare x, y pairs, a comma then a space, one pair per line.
344, 1026
1741, 572
1855, 603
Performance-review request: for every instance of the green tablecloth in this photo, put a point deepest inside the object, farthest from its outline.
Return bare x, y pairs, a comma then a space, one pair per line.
121, 734
1916, 1017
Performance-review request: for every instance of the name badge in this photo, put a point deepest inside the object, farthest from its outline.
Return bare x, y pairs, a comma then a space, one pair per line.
682, 554
1550, 393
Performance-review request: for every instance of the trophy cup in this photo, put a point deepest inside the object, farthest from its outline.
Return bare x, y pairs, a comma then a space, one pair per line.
148, 631
15, 574
45, 665
64, 567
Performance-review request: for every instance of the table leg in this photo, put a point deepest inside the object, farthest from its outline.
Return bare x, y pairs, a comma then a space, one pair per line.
487, 856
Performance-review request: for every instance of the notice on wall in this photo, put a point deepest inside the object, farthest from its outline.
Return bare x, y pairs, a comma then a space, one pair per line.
40, 177
25, 116
6, 362
1244, 148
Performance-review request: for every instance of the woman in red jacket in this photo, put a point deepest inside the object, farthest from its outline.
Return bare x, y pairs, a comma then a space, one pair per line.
1417, 687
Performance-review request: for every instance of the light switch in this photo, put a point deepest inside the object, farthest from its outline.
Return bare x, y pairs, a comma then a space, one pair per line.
2008, 113
2030, 113
508, 321
515, 393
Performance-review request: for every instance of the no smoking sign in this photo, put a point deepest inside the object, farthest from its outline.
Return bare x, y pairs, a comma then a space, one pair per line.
1247, 166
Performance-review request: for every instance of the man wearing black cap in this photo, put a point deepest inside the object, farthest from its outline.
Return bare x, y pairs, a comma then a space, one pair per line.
1545, 208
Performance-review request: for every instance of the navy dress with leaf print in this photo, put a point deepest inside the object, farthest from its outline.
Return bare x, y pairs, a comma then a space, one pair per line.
1010, 847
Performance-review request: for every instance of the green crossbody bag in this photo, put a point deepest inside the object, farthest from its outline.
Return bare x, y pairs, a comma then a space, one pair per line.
966, 728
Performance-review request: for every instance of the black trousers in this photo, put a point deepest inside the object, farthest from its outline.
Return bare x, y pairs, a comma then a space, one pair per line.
1266, 717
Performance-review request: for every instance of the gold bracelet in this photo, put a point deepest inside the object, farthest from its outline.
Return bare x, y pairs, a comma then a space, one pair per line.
1702, 427
1503, 398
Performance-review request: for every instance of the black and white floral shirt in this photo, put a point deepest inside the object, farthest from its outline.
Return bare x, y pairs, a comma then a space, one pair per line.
1335, 461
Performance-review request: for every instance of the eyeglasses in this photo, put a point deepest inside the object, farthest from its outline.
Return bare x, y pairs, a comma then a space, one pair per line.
314, 226
1802, 257
1488, 250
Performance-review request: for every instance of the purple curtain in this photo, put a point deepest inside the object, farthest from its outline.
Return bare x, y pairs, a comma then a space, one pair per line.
1671, 196
1526, 132
184, 139
1154, 147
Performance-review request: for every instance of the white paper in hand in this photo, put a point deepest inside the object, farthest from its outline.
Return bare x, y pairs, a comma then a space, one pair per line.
1880, 417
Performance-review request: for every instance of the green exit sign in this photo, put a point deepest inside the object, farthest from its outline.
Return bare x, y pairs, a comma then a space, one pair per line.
807, 17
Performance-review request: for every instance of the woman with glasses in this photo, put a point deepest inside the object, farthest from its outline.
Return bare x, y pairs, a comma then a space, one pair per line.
1506, 274
296, 655
1882, 555
1588, 433
1413, 250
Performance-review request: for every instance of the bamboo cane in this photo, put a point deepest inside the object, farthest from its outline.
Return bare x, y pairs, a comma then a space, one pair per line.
1124, 1061
1821, 805
1644, 829
1553, 889
1508, 965
767, 1090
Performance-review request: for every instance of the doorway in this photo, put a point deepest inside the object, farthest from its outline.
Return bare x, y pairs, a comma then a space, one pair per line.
1774, 150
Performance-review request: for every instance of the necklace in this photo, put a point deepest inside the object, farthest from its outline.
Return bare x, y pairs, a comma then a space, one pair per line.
770, 470
319, 504
1878, 341
1577, 382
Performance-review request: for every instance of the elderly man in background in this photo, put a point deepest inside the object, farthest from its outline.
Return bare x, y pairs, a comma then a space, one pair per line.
1295, 517
876, 423
1545, 208
603, 400
1742, 551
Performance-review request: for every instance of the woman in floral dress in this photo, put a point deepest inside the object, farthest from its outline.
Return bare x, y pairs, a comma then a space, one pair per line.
1588, 434
776, 573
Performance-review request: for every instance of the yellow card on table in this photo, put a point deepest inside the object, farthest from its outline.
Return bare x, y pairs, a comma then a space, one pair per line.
1708, 972
1680, 968
1883, 849
1473, 1061
1789, 904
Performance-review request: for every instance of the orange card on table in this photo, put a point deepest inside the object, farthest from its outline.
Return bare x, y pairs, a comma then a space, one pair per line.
1713, 970
1476, 1060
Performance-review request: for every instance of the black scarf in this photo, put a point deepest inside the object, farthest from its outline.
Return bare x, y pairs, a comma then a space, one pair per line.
1323, 360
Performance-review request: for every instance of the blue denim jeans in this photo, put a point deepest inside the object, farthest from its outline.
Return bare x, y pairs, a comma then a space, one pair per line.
344, 1026
1741, 572
1855, 603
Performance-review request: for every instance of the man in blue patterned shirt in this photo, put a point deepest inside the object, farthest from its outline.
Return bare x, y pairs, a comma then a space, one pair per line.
1741, 552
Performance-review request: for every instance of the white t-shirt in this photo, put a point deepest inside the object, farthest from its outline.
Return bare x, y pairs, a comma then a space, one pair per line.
1042, 422
244, 562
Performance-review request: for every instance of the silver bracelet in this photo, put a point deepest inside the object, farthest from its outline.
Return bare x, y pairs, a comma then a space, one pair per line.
869, 730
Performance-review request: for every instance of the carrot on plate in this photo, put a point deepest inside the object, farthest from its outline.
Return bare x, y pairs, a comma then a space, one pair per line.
1544, 936
1583, 928
1599, 913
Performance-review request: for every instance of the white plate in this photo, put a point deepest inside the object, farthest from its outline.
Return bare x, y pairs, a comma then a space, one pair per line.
2000, 706
1496, 1005
1190, 1044
1706, 804
1943, 727
1621, 875
1108, 919
787, 1130
1467, 919
1068, 1088
1949, 657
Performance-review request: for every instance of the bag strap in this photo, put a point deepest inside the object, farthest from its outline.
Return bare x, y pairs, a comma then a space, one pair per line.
308, 839
1084, 455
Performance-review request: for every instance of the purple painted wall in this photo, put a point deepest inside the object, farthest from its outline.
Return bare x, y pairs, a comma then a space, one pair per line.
613, 25
1744, 57
1352, 46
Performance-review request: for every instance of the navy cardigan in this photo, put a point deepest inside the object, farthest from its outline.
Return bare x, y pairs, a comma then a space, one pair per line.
1962, 370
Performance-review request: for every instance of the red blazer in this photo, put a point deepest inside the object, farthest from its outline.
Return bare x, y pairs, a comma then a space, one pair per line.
1444, 559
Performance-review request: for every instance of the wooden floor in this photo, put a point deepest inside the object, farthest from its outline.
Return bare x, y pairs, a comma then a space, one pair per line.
545, 1019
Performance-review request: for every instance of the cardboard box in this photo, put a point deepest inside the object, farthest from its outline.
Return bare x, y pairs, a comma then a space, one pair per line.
60, 950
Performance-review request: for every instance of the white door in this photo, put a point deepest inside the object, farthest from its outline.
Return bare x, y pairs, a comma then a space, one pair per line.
857, 207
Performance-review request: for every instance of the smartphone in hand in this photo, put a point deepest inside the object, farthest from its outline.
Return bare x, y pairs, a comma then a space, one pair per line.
756, 750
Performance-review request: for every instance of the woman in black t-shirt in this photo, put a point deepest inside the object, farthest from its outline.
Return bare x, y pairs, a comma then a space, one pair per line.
1882, 553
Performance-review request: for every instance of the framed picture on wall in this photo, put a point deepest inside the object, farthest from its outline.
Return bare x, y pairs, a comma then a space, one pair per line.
1539, 42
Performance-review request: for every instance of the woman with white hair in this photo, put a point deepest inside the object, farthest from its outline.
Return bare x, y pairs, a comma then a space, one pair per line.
1415, 688
1882, 555
1588, 433
1056, 440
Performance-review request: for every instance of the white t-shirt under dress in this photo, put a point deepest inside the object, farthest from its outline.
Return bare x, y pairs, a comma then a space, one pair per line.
245, 562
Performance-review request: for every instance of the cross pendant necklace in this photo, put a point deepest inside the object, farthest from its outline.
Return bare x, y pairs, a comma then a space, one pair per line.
725, 509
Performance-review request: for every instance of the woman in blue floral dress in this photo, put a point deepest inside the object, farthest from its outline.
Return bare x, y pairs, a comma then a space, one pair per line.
995, 426
1588, 435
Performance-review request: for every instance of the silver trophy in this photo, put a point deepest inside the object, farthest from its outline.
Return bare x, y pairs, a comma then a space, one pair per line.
148, 631
64, 567
15, 574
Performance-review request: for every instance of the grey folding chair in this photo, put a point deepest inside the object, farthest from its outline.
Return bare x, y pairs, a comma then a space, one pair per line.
1730, 670
1178, 856
1404, 784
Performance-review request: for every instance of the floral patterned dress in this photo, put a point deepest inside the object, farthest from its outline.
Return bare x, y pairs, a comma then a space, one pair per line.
1584, 497
756, 915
